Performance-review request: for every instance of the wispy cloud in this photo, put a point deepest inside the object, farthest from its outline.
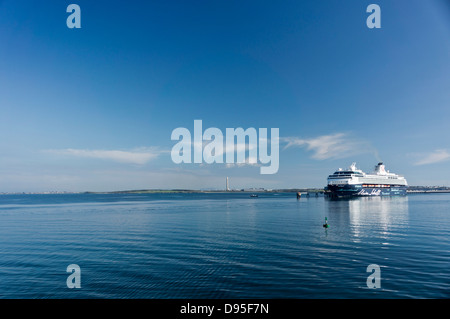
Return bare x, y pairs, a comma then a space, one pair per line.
136, 156
338, 145
434, 157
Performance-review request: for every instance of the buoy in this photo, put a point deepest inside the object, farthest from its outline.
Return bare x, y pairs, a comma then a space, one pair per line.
326, 223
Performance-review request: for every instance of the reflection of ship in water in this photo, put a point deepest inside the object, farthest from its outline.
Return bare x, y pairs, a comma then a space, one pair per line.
354, 182
368, 214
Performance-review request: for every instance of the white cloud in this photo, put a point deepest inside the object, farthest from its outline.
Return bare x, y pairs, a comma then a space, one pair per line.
136, 156
338, 145
434, 157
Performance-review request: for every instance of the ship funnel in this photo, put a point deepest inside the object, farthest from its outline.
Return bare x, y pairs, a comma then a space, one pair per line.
379, 169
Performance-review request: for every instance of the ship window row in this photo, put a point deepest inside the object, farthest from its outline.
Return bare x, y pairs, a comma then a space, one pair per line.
379, 185
346, 175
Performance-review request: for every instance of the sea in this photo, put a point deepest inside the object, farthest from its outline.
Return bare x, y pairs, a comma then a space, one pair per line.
223, 245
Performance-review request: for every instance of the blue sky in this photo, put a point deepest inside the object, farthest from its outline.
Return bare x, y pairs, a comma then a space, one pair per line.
92, 109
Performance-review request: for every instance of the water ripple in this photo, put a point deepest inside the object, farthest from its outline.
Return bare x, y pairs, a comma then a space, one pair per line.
223, 246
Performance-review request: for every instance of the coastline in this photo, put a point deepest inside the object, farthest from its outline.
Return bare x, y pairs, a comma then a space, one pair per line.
414, 190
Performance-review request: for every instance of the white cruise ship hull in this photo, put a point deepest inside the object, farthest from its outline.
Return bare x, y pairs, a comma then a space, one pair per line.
365, 190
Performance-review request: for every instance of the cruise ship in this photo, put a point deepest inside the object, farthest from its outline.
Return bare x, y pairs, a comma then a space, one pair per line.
354, 182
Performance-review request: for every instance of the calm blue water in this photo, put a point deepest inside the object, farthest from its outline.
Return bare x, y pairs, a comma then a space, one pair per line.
223, 246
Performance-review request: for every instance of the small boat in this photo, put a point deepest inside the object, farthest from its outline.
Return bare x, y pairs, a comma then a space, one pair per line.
253, 195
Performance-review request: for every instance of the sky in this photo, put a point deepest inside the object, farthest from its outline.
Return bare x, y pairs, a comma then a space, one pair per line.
93, 108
